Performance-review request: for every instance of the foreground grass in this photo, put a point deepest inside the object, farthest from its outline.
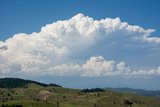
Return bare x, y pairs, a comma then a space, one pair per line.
38, 96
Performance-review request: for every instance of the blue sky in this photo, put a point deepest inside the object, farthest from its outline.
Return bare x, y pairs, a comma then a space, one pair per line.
99, 53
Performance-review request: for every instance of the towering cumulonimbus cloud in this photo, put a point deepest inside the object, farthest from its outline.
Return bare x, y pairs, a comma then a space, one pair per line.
51, 51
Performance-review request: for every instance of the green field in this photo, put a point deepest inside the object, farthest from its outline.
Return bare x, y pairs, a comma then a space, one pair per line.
34, 95
15, 92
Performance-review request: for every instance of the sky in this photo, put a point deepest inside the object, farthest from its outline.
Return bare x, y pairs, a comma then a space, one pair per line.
83, 43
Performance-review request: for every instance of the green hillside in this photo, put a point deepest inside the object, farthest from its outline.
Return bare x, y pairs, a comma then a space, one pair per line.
17, 82
35, 94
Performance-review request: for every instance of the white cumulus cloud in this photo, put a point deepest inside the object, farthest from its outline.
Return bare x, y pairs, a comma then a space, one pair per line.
52, 50
99, 67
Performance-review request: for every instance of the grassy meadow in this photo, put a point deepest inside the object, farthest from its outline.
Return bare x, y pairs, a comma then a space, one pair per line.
34, 95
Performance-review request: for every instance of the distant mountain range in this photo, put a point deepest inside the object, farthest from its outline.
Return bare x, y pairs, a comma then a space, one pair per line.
136, 91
